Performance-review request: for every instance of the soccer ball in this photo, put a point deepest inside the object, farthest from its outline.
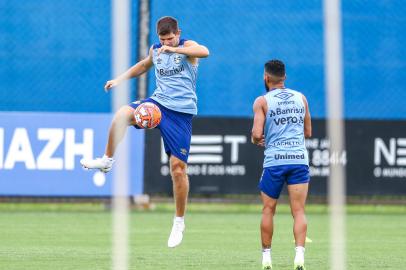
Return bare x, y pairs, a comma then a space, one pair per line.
147, 115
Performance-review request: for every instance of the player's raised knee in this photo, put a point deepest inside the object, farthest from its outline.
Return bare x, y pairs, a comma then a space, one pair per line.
125, 114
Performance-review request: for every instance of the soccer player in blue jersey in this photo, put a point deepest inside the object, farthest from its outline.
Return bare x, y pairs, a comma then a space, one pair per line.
281, 124
176, 64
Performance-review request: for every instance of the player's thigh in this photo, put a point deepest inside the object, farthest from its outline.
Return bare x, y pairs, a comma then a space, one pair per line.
297, 197
176, 132
298, 186
125, 115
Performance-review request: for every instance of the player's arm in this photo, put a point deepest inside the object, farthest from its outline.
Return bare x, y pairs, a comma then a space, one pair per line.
307, 120
140, 68
191, 48
257, 134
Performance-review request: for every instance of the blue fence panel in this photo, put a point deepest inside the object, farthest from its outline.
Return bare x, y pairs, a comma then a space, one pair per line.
40, 154
374, 59
56, 55
242, 36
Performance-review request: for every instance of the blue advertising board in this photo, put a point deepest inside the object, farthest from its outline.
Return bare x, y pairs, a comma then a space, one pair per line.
40, 154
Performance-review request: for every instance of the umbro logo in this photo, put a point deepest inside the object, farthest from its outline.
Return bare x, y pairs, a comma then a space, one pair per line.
159, 61
283, 95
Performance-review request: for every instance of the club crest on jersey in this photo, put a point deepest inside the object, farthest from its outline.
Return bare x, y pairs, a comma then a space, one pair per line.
283, 95
177, 59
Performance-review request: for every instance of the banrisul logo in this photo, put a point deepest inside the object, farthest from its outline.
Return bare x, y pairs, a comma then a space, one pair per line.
287, 116
171, 72
283, 95
390, 158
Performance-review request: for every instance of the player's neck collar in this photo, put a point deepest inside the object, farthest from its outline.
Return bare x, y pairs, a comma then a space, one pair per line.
274, 88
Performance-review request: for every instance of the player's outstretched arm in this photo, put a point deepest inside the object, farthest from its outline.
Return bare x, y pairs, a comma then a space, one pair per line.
140, 68
257, 134
307, 120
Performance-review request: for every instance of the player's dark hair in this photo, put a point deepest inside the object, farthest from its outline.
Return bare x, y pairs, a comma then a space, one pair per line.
275, 67
167, 25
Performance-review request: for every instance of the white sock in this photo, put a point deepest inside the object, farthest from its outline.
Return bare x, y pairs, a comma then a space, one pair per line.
266, 255
179, 219
299, 258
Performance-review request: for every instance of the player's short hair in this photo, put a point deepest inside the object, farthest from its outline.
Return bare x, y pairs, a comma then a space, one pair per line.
167, 25
275, 68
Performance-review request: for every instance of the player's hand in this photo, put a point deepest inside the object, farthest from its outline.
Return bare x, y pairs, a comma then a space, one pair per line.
260, 142
166, 49
110, 84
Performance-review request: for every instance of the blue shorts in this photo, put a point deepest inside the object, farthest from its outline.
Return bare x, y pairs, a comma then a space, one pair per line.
176, 130
273, 178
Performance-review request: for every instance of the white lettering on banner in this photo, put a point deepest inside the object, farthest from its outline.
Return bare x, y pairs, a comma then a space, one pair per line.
205, 159
45, 161
235, 141
204, 144
401, 152
72, 149
1, 147
20, 150
381, 149
208, 150
321, 157
394, 154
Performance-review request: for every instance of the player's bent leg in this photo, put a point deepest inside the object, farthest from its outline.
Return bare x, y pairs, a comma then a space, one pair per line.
180, 190
180, 183
122, 119
268, 212
297, 197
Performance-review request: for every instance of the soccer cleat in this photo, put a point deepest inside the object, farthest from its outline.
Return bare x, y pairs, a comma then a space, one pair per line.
103, 164
266, 266
176, 236
299, 267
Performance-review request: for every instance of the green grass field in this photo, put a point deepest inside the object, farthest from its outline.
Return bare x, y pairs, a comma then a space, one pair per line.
78, 236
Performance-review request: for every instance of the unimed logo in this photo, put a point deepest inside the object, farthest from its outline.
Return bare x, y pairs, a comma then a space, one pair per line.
392, 151
48, 140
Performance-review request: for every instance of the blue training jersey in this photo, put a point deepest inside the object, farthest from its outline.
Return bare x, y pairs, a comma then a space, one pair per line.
175, 81
284, 128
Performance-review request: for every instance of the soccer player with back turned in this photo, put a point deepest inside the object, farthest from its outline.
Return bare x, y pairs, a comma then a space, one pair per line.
281, 123
176, 64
